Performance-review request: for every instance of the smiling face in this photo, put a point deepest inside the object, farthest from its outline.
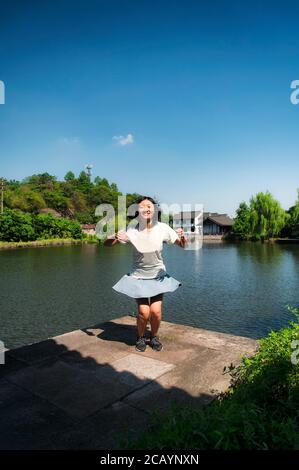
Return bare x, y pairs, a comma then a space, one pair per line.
146, 209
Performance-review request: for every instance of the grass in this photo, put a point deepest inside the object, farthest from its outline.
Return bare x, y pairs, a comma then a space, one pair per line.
47, 242
259, 411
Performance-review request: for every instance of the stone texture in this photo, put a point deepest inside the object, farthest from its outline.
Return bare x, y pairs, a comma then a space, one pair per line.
107, 429
95, 355
78, 392
90, 388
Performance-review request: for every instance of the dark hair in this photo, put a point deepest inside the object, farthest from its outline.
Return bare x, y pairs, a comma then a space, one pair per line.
157, 213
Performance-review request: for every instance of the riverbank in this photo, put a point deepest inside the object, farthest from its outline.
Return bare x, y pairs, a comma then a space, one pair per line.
285, 240
267, 240
90, 388
47, 242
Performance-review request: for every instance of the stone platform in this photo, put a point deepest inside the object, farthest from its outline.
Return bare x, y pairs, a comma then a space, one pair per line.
90, 388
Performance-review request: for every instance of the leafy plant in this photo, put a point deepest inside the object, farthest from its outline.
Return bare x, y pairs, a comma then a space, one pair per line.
260, 410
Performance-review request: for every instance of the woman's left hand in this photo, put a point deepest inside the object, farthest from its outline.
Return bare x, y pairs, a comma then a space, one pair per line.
181, 241
180, 232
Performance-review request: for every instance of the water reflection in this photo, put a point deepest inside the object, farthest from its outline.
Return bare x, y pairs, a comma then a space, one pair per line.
236, 288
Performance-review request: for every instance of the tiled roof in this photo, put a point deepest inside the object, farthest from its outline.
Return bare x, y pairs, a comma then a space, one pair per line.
220, 219
88, 226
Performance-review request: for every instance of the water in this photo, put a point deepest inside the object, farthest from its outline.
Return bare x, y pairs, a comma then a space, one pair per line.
234, 288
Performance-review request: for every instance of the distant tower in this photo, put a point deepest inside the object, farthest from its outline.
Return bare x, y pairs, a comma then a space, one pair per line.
88, 169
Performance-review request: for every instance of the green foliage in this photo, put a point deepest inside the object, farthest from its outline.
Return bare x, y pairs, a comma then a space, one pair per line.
262, 219
69, 176
102, 194
83, 183
78, 202
241, 224
18, 226
47, 226
75, 197
84, 217
78, 197
41, 180
292, 227
24, 199
34, 201
56, 200
15, 226
259, 411
267, 218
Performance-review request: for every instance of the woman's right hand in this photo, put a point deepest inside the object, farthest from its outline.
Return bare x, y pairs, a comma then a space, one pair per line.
121, 236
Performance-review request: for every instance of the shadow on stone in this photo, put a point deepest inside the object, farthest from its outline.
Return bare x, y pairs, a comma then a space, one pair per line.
89, 388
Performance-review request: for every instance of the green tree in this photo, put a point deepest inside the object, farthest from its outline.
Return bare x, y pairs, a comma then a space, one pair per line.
35, 201
78, 202
16, 226
267, 217
72, 197
56, 200
24, 199
97, 181
13, 184
101, 194
69, 177
47, 226
41, 180
85, 217
105, 182
83, 183
292, 227
114, 187
242, 221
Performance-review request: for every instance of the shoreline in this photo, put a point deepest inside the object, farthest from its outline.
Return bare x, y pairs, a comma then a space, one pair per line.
73, 241
285, 240
45, 242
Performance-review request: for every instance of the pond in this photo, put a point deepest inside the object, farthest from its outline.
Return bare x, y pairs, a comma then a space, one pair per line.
240, 288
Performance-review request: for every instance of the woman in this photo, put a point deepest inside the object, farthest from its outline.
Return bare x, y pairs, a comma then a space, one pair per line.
148, 279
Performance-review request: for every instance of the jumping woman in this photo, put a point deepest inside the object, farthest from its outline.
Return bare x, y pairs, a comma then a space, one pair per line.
148, 279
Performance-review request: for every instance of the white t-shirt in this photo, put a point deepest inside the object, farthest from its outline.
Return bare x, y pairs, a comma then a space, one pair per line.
147, 249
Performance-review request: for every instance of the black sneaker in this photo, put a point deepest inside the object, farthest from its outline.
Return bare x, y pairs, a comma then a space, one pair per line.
140, 344
155, 343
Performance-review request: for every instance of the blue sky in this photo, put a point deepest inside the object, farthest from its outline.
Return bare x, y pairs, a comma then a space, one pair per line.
199, 91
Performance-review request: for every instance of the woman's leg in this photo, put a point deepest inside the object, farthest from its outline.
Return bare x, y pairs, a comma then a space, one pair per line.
155, 313
143, 315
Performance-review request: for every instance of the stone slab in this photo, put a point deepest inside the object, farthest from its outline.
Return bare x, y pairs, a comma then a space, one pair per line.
87, 388
78, 392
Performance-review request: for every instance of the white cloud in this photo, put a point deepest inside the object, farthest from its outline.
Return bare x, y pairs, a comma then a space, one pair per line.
122, 140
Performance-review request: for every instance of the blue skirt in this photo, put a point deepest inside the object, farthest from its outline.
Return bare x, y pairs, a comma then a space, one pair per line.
140, 288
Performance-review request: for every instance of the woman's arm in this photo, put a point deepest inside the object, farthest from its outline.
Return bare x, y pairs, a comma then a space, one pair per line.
110, 241
118, 237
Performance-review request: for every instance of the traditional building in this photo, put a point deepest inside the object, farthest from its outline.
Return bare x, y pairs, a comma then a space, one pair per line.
206, 223
216, 224
191, 221
89, 229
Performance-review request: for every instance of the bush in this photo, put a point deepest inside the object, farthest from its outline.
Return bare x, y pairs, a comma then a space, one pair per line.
259, 411
18, 226
47, 226
15, 226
